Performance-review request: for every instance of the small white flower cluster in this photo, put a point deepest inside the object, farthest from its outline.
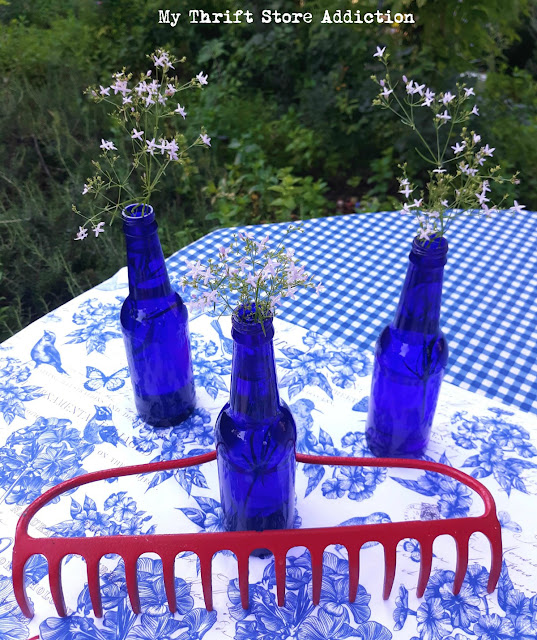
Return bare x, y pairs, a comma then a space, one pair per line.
248, 275
139, 108
83, 232
449, 193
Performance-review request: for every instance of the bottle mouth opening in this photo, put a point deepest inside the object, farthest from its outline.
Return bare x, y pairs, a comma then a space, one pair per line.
138, 214
430, 250
243, 320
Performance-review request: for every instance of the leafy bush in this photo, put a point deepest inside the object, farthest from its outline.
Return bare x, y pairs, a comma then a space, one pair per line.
288, 108
509, 122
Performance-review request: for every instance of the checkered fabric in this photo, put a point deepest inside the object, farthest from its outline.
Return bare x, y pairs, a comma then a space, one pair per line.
489, 306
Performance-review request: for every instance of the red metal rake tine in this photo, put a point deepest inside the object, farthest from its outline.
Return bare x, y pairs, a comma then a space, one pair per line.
54, 577
316, 574
280, 572
206, 563
389, 568
242, 543
426, 557
495, 540
23, 547
17, 569
243, 560
354, 572
487, 523
168, 574
462, 563
131, 578
92, 568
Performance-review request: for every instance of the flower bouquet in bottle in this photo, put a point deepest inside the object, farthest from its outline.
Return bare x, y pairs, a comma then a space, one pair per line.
154, 320
411, 352
255, 431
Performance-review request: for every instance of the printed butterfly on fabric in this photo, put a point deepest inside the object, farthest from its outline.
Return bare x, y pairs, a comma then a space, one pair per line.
507, 523
97, 380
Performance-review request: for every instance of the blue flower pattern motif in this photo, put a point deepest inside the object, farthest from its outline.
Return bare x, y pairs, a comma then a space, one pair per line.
504, 448
192, 437
454, 498
99, 323
209, 371
356, 483
13, 625
454, 617
209, 516
304, 366
13, 391
120, 623
335, 618
40, 456
120, 516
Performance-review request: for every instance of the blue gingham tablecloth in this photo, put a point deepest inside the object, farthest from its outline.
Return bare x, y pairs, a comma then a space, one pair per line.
489, 307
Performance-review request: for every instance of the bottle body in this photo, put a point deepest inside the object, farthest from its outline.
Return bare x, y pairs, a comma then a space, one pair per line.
410, 360
255, 439
256, 470
157, 343
154, 323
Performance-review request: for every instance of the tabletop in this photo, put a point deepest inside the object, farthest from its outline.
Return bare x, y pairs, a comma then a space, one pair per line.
60, 421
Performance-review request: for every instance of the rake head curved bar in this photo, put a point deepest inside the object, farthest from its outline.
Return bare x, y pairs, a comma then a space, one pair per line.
243, 543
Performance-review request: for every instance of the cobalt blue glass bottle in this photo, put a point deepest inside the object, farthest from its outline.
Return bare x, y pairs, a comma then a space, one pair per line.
154, 322
410, 359
255, 436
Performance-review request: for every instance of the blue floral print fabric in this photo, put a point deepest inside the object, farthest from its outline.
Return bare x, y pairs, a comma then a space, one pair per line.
66, 408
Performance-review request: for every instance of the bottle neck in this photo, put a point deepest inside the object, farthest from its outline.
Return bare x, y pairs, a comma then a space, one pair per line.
254, 387
421, 297
148, 276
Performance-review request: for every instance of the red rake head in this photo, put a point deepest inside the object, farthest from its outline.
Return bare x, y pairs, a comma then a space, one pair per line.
243, 543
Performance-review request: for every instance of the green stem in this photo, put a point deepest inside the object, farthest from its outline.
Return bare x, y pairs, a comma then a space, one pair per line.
437, 127
449, 134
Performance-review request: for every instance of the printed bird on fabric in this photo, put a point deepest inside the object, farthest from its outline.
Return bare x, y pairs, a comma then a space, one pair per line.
44, 352
101, 428
225, 343
301, 410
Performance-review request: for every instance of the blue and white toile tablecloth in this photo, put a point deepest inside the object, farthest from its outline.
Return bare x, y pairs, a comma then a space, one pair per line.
75, 413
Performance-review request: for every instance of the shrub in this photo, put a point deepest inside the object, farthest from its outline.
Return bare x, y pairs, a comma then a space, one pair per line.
288, 108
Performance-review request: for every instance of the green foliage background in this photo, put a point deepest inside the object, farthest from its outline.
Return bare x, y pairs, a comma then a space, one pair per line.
288, 108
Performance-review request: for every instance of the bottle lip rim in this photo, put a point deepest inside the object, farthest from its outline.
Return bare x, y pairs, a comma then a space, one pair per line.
432, 250
250, 325
138, 213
